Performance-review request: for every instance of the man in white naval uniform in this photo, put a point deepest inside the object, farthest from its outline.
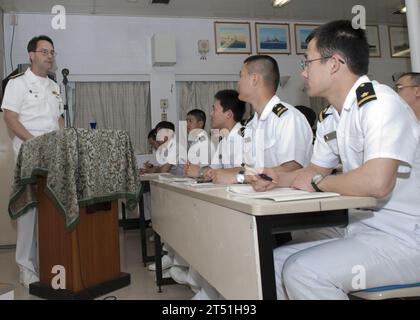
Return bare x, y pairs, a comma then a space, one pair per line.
195, 136
374, 134
277, 131
226, 115
408, 87
277, 134
197, 145
32, 106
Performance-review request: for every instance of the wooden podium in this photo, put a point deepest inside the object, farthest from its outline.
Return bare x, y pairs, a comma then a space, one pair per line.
90, 253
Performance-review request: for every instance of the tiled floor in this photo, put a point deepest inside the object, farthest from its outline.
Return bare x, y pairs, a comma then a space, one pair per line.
142, 281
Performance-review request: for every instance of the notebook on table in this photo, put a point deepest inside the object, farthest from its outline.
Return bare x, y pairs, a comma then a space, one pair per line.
278, 194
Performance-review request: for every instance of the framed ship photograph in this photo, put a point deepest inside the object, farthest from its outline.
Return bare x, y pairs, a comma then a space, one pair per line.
398, 42
272, 38
302, 31
232, 37
372, 33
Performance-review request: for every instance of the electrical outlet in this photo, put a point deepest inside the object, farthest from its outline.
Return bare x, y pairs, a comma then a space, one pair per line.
163, 117
164, 104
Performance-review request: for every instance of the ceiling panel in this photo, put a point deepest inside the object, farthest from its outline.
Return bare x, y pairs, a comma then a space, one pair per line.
377, 11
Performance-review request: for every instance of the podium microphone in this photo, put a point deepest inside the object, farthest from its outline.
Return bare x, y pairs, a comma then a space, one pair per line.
65, 72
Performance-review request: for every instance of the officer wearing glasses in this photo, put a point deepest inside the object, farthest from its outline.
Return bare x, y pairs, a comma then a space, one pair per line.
374, 134
32, 106
408, 87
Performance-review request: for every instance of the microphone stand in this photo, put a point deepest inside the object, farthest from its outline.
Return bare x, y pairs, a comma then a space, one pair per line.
66, 103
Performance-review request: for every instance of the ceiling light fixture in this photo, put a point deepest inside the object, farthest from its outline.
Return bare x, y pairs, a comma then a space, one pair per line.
403, 53
160, 1
401, 10
280, 3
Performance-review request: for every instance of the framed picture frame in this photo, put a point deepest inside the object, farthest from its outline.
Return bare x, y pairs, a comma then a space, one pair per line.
372, 34
272, 38
232, 37
399, 44
302, 31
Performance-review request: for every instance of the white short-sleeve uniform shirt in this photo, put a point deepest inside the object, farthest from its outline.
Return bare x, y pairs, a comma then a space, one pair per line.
198, 147
167, 153
37, 101
229, 150
281, 134
376, 123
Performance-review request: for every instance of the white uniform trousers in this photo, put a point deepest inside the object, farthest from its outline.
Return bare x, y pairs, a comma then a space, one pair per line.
330, 263
26, 248
205, 291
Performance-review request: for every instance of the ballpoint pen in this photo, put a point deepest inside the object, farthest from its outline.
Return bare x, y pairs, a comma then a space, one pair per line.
267, 178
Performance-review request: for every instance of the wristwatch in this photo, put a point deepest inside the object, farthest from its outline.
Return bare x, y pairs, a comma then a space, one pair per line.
315, 180
240, 177
201, 171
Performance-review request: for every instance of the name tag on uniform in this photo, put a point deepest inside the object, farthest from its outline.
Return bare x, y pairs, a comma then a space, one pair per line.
35, 93
247, 140
330, 136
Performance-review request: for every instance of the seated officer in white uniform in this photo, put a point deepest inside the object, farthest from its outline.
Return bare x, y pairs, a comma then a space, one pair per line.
277, 131
32, 106
196, 121
167, 156
165, 141
226, 115
408, 87
197, 138
277, 134
375, 134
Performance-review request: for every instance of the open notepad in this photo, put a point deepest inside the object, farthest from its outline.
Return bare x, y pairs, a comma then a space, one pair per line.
190, 182
279, 194
155, 175
208, 185
171, 178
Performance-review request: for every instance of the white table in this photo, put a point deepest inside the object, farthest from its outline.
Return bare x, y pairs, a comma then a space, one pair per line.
145, 179
228, 239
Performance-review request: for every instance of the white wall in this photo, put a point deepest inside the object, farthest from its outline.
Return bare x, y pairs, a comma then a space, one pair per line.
116, 48
101, 48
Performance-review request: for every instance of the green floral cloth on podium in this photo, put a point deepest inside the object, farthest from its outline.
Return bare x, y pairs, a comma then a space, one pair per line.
83, 167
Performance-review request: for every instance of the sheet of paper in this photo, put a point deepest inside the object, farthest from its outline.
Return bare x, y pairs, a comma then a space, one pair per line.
171, 178
155, 175
208, 185
278, 194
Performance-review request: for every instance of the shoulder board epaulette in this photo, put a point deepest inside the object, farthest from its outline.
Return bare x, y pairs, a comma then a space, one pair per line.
323, 114
279, 109
201, 138
245, 122
17, 75
365, 93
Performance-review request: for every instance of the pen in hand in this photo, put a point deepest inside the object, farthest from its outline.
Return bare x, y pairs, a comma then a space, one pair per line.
267, 178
